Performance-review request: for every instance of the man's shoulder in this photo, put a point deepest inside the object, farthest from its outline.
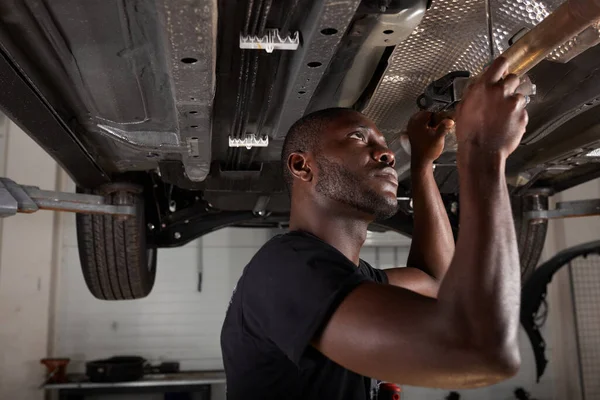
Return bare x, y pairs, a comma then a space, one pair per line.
292, 250
291, 244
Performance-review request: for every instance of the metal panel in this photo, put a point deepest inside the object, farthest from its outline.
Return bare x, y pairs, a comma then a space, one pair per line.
452, 36
141, 72
577, 45
510, 17
310, 61
191, 28
21, 102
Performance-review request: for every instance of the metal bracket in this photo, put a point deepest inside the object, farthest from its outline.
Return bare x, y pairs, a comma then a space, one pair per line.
567, 209
271, 41
16, 198
444, 93
249, 142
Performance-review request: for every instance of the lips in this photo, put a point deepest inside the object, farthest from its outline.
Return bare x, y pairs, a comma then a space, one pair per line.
388, 174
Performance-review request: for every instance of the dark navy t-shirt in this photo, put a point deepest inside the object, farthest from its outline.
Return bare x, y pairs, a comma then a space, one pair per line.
286, 294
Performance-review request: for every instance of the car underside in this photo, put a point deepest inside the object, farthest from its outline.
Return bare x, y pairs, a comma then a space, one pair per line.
160, 96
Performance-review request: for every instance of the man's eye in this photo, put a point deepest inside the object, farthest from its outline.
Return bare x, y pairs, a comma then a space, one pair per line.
357, 135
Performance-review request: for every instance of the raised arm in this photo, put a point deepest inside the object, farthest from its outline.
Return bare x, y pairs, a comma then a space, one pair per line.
432, 245
468, 336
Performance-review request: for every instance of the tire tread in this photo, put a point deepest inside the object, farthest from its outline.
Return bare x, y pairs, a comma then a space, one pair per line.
113, 254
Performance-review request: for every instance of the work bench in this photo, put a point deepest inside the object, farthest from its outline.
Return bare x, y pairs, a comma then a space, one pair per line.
180, 383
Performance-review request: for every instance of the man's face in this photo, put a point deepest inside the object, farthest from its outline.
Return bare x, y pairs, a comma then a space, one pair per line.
354, 166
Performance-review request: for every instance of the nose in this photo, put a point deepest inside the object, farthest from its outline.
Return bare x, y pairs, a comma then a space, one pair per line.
384, 155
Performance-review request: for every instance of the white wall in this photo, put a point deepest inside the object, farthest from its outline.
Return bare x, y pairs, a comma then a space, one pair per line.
26, 265
567, 233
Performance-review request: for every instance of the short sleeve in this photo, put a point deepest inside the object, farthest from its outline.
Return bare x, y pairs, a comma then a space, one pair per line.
376, 275
291, 289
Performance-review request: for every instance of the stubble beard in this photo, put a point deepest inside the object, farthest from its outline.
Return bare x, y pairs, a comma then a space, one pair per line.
337, 183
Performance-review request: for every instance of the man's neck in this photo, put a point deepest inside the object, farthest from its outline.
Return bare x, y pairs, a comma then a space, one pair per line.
342, 230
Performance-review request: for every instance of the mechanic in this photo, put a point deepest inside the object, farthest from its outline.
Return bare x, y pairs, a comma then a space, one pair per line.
310, 320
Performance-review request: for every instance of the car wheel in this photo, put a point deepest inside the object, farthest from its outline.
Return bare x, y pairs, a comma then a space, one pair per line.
531, 234
116, 261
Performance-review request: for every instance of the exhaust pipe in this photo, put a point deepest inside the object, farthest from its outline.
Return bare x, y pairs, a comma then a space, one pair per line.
566, 22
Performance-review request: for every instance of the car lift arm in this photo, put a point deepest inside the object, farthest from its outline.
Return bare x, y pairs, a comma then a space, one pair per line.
16, 198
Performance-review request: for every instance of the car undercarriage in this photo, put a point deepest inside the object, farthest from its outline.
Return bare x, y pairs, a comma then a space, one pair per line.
159, 95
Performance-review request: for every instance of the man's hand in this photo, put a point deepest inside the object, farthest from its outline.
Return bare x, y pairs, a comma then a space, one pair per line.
426, 141
492, 118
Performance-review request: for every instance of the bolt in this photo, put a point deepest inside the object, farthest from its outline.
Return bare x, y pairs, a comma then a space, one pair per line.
177, 235
454, 207
187, 221
151, 227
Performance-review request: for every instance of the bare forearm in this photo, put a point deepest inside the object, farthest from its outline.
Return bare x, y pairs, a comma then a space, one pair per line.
483, 281
432, 246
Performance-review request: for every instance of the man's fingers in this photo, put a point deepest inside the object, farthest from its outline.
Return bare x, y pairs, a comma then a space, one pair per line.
518, 101
496, 70
421, 118
444, 127
510, 84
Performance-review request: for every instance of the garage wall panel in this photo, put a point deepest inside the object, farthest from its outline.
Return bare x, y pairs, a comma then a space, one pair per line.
585, 273
175, 322
26, 265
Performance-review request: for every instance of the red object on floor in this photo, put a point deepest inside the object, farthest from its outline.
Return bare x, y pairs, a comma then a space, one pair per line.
57, 369
388, 391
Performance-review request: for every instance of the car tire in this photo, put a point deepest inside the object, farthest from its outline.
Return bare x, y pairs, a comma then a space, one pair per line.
531, 234
116, 262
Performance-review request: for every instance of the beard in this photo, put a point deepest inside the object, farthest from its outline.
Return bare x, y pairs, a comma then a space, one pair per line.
337, 183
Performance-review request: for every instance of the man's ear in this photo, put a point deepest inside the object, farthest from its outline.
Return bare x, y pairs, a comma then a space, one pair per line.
299, 166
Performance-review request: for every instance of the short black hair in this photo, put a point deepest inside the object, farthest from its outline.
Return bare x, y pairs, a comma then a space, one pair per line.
304, 136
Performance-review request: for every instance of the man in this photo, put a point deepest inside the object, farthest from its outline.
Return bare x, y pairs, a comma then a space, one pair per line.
310, 320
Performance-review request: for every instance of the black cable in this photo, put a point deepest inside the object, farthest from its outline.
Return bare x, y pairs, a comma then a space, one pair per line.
248, 96
241, 83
